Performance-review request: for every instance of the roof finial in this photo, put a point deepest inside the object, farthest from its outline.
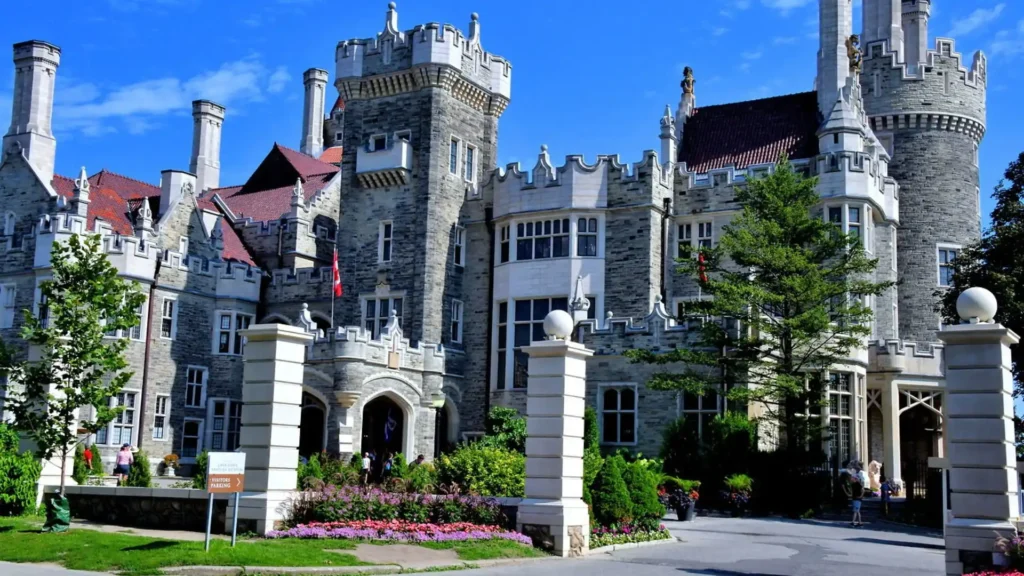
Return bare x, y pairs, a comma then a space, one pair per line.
297, 192
474, 27
82, 182
391, 21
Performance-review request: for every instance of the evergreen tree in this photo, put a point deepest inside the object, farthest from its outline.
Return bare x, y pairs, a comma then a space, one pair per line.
80, 470
78, 366
611, 496
139, 475
796, 284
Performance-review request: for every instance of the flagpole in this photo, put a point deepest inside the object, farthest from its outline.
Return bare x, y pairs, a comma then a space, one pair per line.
334, 264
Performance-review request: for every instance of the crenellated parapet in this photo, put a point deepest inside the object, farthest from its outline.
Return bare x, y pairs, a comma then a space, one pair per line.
428, 56
392, 350
658, 331
908, 358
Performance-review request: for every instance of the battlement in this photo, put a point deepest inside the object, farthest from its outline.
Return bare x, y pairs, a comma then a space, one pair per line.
430, 54
355, 343
908, 358
656, 331
731, 175
574, 184
303, 276
940, 94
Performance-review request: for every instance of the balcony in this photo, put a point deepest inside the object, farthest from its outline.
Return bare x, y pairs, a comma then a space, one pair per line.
389, 166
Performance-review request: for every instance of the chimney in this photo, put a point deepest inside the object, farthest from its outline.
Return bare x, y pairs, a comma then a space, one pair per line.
669, 141
175, 185
35, 69
205, 164
315, 81
836, 28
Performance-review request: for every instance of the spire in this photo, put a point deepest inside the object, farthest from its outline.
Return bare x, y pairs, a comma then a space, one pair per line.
580, 306
298, 194
543, 172
144, 220
669, 140
217, 239
80, 199
391, 21
834, 53
474, 27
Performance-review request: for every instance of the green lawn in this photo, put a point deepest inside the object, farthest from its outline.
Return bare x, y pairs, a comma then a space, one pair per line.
83, 549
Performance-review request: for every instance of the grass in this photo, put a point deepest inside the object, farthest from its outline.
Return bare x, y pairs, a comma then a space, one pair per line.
82, 549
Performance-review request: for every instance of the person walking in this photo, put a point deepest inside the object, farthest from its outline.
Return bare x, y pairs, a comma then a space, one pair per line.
857, 498
122, 463
87, 454
886, 493
388, 463
366, 468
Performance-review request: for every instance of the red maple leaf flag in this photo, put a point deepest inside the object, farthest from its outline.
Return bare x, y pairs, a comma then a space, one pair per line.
337, 275
701, 268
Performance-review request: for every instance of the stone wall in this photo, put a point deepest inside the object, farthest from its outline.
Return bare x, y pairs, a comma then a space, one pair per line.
159, 508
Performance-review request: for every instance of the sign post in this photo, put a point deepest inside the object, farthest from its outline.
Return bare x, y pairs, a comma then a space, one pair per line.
225, 474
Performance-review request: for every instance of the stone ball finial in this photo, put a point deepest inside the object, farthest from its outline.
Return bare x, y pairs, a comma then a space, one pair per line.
976, 305
474, 16
392, 5
558, 325
543, 148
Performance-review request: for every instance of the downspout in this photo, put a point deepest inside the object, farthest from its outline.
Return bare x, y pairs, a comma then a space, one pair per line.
666, 214
489, 222
145, 361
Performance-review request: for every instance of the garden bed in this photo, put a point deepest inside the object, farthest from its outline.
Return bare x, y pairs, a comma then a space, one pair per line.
601, 537
399, 531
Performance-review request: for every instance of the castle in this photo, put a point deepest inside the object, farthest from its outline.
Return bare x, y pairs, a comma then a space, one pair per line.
449, 266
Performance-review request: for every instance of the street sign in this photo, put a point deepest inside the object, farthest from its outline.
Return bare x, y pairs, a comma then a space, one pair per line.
225, 472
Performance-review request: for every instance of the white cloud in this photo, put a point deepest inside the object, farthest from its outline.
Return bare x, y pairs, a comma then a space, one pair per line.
1009, 43
278, 80
719, 30
976, 20
87, 109
785, 6
752, 55
745, 67
779, 40
739, 5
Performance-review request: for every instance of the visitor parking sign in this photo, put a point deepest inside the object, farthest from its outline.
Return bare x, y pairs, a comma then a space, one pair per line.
225, 472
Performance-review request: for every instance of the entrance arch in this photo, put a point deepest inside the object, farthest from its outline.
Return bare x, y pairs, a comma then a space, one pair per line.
384, 427
312, 426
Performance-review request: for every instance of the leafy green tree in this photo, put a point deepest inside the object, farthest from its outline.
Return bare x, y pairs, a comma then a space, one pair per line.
139, 475
199, 471
19, 473
592, 460
612, 504
77, 366
506, 429
798, 286
642, 484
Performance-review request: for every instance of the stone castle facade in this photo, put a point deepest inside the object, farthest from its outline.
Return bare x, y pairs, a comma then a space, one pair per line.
449, 266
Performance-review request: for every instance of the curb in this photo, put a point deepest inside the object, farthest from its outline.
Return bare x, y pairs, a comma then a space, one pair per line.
372, 569
630, 546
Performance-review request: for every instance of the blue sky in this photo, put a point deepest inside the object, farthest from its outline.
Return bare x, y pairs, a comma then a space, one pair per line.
592, 80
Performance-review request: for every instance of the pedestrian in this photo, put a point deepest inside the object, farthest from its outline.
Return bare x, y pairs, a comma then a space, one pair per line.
857, 498
388, 462
122, 463
87, 454
366, 468
419, 460
886, 491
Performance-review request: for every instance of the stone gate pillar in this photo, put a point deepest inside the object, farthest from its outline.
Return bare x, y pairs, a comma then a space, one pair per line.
982, 456
271, 414
553, 512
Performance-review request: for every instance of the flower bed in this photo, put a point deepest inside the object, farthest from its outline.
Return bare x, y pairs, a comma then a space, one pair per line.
400, 531
625, 534
353, 503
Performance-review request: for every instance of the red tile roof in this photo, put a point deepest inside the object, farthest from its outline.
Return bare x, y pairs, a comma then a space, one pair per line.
742, 134
267, 205
105, 204
303, 164
234, 249
339, 104
127, 187
331, 155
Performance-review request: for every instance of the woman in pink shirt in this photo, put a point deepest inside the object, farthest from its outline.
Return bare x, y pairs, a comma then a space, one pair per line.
122, 463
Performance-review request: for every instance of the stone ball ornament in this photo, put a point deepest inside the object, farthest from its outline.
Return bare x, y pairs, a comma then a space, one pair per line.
558, 325
974, 305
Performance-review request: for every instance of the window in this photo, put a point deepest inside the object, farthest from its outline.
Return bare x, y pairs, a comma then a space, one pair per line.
542, 239
453, 157
121, 428
893, 248
191, 432
840, 400
183, 245
700, 410
704, 235
528, 327
505, 233
160, 417
835, 216
168, 315
8, 295
502, 322
337, 137
377, 312
225, 421
618, 415
384, 236
946, 257
586, 237
195, 387
378, 142
404, 135
460, 246
470, 164
44, 311
855, 222
685, 238
229, 327
456, 333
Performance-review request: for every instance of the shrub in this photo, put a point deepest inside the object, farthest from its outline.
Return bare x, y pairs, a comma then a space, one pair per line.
422, 478
310, 474
739, 483
19, 473
611, 496
80, 470
399, 467
199, 471
591, 433
171, 461
506, 429
671, 483
484, 470
139, 475
351, 503
642, 484
603, 536
681, 450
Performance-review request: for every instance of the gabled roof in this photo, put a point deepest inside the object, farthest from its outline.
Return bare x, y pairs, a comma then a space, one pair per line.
281, 167
339, 105
267, 205
331, 155
105, 204
234, 248
743, 134
127, 187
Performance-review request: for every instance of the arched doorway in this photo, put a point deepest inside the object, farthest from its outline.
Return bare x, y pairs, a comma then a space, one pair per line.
312, 426
383, 427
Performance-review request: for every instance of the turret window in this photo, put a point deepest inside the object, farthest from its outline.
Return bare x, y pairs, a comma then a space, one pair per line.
8, 294
460, 246
542, 239
586, 237
947, 254
453, 157
505, 238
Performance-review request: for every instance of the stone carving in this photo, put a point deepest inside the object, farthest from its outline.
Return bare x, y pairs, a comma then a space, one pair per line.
874, 475
576, 541
688, 81
187, 188
854, 53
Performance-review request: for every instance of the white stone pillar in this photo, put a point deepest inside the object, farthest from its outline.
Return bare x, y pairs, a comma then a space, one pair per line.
553, 512
346, 400
983, 463
891, 431
271, 413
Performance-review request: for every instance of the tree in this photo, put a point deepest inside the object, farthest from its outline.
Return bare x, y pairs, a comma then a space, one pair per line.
611, 496
139, 475
77, 365
506, 429
796, 284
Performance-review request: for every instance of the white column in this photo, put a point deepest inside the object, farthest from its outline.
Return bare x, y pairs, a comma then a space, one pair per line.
553, 512
271, 413
983, 464
891, 430
346, 400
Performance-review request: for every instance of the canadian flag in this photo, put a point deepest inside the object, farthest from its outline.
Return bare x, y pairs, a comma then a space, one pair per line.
337, 275
701, 268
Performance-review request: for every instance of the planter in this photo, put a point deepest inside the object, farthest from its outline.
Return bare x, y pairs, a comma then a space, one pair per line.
1000, 560
169, 472
686, 513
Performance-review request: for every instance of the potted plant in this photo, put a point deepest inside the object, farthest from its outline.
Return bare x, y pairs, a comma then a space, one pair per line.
170, 464
681, 496
736, 494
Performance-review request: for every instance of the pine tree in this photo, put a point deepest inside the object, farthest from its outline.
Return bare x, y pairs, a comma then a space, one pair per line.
611, 496
139, 474
78, 367
796, 284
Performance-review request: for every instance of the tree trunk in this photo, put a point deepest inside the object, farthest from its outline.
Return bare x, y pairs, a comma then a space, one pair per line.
63, 466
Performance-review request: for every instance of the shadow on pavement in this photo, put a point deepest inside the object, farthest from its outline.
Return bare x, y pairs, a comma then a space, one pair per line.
900, 543
158, 545
720, 572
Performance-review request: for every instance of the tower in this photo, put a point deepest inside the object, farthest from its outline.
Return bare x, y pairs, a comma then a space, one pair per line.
883, 21
420, 134
35, 70
928, 110
315, 82
836, 26
208, 119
